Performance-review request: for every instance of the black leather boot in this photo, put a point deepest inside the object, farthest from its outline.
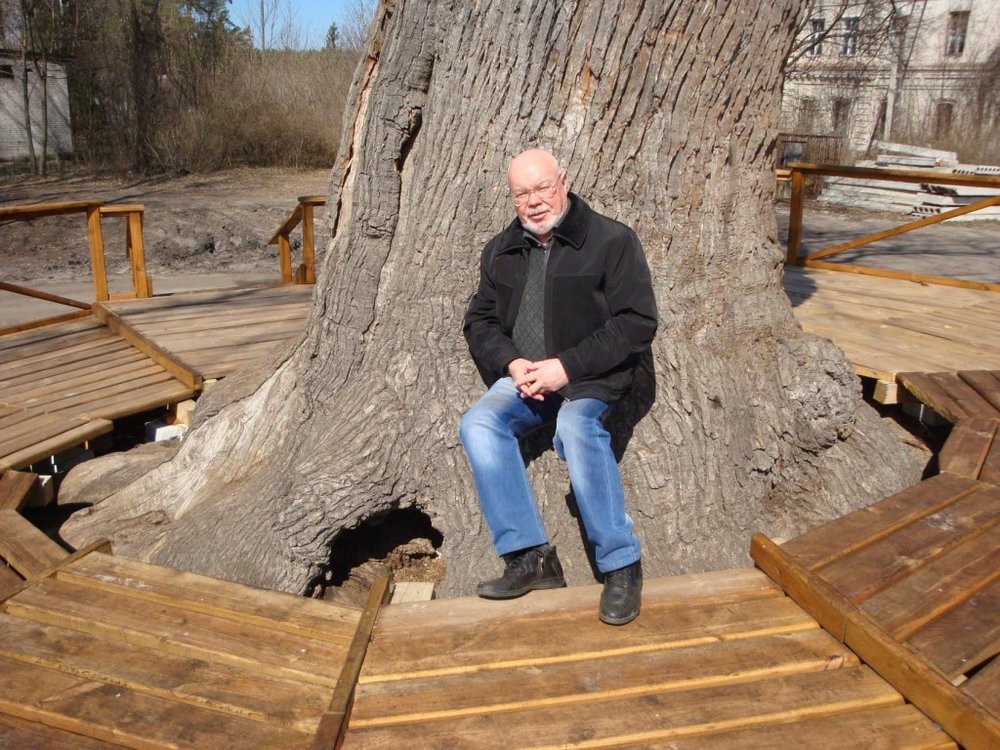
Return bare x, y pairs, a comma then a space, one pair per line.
622, 594
527, 570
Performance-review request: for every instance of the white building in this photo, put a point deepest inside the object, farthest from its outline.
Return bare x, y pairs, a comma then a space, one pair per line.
924, 72
13, 134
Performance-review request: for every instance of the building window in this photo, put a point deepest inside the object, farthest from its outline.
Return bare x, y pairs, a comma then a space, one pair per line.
958, 25
807, 115
850, 46
944, 115
818, 26
841, 116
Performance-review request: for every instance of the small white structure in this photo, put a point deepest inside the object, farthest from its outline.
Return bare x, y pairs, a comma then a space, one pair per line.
13, 134
919, 71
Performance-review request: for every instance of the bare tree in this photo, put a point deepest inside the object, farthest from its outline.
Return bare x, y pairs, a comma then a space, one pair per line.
359, 15
662, 113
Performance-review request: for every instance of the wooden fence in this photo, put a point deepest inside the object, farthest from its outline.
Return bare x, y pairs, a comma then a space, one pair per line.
798, 173
303, 214
94, 211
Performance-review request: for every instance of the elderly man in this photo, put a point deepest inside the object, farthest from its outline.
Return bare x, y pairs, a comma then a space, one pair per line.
564, 308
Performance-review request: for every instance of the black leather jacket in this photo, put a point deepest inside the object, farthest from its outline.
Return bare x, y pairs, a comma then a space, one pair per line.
600, 312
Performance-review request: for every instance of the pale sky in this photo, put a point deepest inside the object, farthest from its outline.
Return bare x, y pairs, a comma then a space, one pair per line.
311, 18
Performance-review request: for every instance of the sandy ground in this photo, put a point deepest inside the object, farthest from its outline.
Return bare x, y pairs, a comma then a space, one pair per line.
192, 224
210, 231
199, 231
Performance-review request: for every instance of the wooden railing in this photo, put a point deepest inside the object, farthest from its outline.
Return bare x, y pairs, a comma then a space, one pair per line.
303, 213
798, 173
94, 211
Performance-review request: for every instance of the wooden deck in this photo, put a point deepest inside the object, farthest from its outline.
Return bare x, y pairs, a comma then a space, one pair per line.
715, 660
879, 629
886, 327
214, 333
98, 652
65, 383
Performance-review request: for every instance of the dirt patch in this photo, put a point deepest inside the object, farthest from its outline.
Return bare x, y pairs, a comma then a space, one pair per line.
192, 224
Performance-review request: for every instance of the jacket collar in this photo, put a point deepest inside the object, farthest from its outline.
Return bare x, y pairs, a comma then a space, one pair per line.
572, 230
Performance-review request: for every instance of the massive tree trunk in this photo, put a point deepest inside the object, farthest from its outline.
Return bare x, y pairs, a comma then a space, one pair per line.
664, 115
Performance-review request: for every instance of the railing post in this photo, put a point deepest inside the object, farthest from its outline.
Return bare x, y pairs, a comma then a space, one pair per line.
308, 243
285, 258
95, 238
795, 217
141, 283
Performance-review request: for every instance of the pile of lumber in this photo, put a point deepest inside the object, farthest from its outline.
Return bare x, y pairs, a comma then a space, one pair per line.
924, 199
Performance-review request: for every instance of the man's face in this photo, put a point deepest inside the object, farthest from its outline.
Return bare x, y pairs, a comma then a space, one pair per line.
539, 192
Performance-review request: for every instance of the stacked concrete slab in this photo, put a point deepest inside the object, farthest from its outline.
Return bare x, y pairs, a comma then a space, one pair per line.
926, 199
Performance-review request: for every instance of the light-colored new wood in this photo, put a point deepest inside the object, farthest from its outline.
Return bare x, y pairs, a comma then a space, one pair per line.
168, 361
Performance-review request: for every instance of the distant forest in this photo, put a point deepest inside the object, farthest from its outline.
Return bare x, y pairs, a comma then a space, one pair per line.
176, 85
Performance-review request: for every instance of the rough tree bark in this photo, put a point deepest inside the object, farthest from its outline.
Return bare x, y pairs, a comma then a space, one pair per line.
665, 116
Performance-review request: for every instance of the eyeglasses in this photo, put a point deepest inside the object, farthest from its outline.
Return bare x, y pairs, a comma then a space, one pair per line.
545, 191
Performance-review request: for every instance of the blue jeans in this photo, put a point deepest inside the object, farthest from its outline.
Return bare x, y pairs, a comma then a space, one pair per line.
490, 431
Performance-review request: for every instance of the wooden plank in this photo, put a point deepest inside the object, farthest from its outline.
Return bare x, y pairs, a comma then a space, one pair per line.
896, 175
642, 720
18, 733
15, 488
964, 638
818, 598
991, 466
221, 687
204, 303
930, 393
422, 619
23, 338
956, 388
84, 378
51, 446
102, 546
965, 331
130, 383
984, 686
483, 644
889, 728
333, 724
885, 273
197, 593
116, 714
986, 383
112, 355
156, 394
853, 532
42, 322
67, 343
39, 210
617, 675
38, 294
9, 580
883, 563
26, 548
180, 631
938, 587
202, 316
968, 445
170, 362
922, 684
